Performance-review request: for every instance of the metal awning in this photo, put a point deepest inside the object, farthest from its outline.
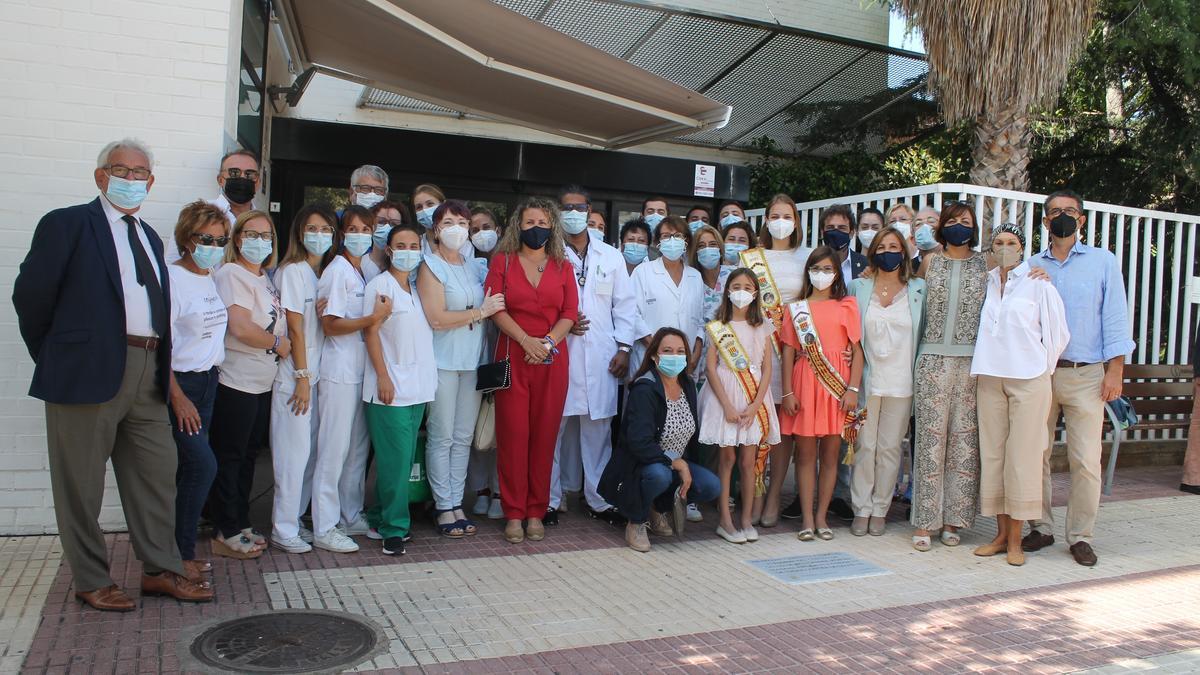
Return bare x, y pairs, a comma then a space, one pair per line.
478, 57
766, 72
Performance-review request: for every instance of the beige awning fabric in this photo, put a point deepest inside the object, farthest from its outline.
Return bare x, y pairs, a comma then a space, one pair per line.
478, 57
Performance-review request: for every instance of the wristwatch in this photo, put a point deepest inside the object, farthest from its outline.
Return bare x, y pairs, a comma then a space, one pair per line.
624, 348
275, 347
303, 374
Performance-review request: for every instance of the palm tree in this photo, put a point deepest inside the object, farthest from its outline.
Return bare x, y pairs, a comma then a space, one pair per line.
990, 61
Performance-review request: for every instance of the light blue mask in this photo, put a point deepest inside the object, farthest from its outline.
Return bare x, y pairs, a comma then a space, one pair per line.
379, 239
924, 237
207, 257
317, 243
653, 220
634, 253
255, 250
406, 260
574, 222
729, 220
695, 225
672, 249
425, 217
124, 193
357, 244
733, 253
709, 257
671, 364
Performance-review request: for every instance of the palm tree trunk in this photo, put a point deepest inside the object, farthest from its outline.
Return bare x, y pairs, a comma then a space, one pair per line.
1000, 158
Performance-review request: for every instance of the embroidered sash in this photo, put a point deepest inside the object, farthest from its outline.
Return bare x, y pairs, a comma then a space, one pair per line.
755, 259
730, 348
827, 375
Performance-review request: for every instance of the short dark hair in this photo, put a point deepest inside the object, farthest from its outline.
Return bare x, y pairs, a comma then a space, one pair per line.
575, 189
957, 210
252, 155
839, 210
652, 351
731, 203
356, 211
1065, 192
698, 207
406, 227
635, 224
871, 209
838, 290
405, 215
456, 206
745, 227
679, 224
656, 198
485, 211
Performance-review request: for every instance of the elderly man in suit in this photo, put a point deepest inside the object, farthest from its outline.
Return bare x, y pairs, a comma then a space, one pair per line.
93, 306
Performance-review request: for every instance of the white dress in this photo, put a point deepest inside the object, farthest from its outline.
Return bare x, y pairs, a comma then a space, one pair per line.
787, 269
714, 429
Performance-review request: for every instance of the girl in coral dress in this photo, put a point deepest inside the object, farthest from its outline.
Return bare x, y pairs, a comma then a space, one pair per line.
819, 389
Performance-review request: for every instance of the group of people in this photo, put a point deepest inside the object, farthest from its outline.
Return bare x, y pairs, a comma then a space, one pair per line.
724, 352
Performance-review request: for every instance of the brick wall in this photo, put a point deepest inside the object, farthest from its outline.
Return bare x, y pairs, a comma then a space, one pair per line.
74, 75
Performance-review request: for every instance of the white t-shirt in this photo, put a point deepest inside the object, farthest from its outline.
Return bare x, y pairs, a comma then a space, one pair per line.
246, 368
407, 343
297, 284
343, 356
198, 321
788, 271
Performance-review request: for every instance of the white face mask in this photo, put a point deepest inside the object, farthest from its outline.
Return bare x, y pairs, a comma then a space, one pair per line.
484, 240
453, 236
368, 200
820, 280
781, 228
865, 237
904, 228
741, 298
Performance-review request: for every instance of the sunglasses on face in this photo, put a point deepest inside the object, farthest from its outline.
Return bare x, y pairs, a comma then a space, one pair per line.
210, 240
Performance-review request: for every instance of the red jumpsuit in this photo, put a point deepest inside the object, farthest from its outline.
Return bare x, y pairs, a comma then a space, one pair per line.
529, 412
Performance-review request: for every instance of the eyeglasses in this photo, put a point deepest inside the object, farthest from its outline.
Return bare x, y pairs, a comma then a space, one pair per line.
210, 240
318, 229
394, 222
251, 234
122, 171
675, 235
368, 189
1070, 211
238, 173
582, 208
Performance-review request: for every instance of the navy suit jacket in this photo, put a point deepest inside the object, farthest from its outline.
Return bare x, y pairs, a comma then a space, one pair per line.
858, 264
71, 307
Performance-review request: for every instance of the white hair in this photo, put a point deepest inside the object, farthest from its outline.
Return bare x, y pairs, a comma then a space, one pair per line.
369, 170
124, 144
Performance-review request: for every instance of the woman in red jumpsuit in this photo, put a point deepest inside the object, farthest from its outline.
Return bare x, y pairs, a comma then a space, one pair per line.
541, 305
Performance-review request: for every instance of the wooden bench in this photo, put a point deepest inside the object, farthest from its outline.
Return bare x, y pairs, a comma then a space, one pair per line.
1162, 391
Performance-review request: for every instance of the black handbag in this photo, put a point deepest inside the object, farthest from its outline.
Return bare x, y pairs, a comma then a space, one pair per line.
497, 375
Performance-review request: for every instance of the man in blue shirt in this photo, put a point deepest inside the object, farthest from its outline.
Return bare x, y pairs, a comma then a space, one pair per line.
1089, 372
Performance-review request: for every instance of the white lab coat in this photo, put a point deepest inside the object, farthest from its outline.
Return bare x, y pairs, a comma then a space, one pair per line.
607, 300
662, 303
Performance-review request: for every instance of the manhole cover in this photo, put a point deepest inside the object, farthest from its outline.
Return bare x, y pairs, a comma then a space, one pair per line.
287, 641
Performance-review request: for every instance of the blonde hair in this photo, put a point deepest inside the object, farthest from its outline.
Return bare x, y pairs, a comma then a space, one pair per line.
905, 268
233, 253
510, 241
193, 217
695, 249
898, 206
429, 189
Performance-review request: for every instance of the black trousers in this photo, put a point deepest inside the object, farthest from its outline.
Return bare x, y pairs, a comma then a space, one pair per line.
239, 426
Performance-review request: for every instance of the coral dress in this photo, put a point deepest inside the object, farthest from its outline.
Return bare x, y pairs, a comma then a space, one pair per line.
838, 325
713, 427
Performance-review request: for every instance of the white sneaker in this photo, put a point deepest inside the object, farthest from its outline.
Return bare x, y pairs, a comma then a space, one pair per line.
693, 514
495, 509
336, 541
374, 534
306, 534
292, 545
359, 527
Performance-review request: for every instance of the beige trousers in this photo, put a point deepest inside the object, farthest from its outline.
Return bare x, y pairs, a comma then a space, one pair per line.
877, 454
1077, 396
1010, 445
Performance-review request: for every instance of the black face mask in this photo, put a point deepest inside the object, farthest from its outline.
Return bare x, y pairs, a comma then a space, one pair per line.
889, 261
837, 239
239, 190
1063, 226
535, 237
957, 234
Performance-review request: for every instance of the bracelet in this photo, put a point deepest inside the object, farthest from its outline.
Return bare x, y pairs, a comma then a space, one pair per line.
553, 345
786, 395
275, 347
303, 374
853, 389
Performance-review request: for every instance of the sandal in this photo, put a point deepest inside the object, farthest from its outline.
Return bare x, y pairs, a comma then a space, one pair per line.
805, 535
950, 538
467, 525
255, 536
238, 547
921, 543
452, 529
824, 533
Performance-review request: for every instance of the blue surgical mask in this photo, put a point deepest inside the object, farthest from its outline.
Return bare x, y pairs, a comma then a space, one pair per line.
653, 219
672, 249
695, 225
730, 219
406, 260
207, 257
671, 364
317, 243
924, 237
124, 193
379, 239
357, 244
733, 253
634, 253
255, 250
425, 217
574, 222
709, 257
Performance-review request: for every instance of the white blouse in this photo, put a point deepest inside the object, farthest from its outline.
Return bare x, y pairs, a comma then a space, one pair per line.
407, 345
1023, 332
788, 268
890, 346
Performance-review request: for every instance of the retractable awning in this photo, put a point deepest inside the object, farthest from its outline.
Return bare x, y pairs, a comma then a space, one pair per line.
478, 57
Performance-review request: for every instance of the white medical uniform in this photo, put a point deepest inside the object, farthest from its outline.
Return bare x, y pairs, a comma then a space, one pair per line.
661, 303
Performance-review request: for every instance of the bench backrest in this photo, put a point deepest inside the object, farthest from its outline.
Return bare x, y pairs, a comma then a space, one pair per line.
1158, 391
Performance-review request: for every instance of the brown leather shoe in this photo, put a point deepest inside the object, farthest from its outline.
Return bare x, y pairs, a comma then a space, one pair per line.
108, 599
1083, 553
197, 570
180, 588
1036, 541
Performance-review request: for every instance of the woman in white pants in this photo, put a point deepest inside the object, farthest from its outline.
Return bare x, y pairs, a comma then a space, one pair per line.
294, 404
891, 305
342, 444
453, 297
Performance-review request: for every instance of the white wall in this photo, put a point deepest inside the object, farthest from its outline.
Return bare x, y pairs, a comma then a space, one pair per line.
74, 75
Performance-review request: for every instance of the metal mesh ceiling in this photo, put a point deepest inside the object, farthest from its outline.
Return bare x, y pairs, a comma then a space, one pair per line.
762, 71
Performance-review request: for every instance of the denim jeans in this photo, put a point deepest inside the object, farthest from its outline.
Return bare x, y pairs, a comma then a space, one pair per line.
659, 483
197, 464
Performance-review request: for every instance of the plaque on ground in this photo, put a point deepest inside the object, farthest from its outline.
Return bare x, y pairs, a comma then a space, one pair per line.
808, 569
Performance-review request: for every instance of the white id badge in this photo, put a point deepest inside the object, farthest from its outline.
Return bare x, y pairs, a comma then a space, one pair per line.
604, 287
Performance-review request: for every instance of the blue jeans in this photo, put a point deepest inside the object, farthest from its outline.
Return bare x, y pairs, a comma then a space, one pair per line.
659, 483
197, 464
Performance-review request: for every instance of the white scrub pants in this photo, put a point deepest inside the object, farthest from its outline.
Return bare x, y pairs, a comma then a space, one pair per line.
583, 449
293, 459
339, 478
449, 432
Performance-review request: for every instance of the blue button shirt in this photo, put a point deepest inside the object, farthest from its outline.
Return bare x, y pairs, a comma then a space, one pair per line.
1093, 293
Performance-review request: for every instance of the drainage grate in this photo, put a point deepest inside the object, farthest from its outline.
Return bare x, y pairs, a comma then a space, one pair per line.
287, 641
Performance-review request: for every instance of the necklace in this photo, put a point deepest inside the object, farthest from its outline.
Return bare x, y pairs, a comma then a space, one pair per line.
541, 267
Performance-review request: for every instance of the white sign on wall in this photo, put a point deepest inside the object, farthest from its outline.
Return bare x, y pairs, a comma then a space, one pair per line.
705, 184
